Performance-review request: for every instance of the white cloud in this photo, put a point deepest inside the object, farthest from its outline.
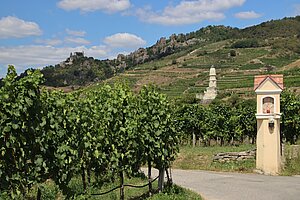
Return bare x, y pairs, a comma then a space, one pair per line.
13, 27
189, 12
51, 42
66, 41
93, 5
297, 9
247, 15
124, 40
73, 37
38, 56
24, 57
77, 40
75, 33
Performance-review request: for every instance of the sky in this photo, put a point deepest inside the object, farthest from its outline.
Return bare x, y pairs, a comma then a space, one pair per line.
37, 33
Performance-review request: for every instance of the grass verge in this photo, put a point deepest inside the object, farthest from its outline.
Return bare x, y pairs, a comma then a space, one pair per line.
177, 193
292, 162
201, 158
292, 167
51, 192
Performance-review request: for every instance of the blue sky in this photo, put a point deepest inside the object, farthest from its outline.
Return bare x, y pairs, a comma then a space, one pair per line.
35, 33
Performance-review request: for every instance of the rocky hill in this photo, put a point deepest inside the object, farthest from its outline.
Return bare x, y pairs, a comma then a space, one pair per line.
81, 70
179, 64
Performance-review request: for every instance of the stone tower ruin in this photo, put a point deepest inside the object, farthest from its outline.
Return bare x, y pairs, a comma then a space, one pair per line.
211, 91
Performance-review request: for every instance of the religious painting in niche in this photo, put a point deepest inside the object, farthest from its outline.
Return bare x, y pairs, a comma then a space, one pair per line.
268, 105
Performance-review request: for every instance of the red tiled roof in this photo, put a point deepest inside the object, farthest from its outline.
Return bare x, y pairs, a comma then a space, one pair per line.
277, 78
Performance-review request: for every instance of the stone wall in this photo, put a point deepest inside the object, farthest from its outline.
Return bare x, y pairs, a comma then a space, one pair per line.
234, 156
291, 151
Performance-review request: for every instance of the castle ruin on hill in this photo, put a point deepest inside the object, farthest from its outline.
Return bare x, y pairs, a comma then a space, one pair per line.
73, 56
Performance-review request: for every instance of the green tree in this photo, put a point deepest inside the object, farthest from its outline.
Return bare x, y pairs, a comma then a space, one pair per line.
246, 111
232, 53
246, 43
290, 108
194, 121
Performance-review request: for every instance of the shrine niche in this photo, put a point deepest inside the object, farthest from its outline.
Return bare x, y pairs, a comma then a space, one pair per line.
268, 154
268, 105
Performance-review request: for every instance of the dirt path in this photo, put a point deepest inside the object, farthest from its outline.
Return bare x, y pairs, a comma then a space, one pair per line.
236, 186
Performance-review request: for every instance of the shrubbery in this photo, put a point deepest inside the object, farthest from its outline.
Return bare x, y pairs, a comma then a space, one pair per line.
105, 133
226, 122
246, 43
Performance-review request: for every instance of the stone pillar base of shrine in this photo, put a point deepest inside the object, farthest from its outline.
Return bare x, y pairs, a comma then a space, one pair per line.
268, 153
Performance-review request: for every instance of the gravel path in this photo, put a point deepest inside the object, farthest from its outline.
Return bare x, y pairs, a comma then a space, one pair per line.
236, 186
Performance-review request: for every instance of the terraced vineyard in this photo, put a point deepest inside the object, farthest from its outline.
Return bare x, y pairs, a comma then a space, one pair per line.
179, 64
186, 73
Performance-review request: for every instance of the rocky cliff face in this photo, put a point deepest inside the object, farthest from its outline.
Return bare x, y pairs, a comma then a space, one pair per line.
161, 48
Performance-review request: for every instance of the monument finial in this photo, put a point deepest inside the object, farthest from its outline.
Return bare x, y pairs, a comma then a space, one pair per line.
212, 71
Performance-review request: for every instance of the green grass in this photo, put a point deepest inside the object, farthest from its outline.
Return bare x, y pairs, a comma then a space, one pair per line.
280, 61
292, 164
294, 71
238, 81
221, 58
215, 45
292, 81
292, 167
248, 54
201, 158
180, 86
162, 62
251, 66
51, 192
291, 77
176, 193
